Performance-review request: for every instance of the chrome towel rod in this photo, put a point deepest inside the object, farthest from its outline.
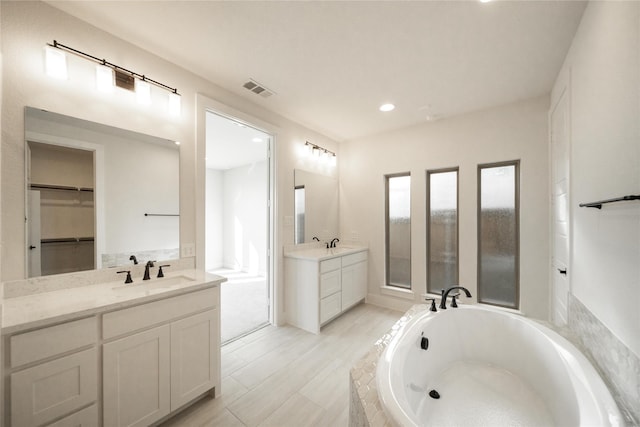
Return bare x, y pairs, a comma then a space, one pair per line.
150, 214
599, 204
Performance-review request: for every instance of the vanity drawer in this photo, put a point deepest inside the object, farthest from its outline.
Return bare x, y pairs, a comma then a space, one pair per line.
47, 391
143, 316
47, 342
354, 258
330, 265
330, 307
330, 283
88, 417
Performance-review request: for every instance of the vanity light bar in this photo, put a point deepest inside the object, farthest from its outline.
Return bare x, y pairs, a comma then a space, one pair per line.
317, 150
111, 65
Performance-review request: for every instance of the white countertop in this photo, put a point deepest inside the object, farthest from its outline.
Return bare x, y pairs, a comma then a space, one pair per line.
320, 254
42, 309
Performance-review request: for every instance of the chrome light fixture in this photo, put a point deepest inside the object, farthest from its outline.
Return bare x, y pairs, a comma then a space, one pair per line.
321, 154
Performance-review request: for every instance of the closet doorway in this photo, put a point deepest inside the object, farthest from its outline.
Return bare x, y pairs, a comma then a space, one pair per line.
237, 222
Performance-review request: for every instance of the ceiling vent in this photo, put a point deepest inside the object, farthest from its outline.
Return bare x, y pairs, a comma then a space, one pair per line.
258, 89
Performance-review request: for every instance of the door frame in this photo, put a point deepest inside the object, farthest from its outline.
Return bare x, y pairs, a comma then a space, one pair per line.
204, 104
562, 90
98, 190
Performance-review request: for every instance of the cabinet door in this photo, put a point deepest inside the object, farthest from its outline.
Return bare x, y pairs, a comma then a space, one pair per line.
136, 378
354, 284
44, 392
193, 357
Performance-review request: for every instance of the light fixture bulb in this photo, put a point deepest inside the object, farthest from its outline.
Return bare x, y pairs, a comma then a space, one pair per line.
387, 107
143, 92
316, 152
55, 63
175, 104
333, 160
104, 78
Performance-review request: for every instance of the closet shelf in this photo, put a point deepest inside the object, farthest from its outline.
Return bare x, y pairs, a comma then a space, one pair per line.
598, 205
67, 240
59, 187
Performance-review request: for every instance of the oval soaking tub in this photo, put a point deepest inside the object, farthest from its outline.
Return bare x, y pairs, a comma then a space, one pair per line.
478, 366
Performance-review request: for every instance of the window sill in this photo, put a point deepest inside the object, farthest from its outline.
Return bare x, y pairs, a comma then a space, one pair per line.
397, 292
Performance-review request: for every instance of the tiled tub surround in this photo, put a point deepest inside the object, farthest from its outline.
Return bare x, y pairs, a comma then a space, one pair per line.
618, 366
365, 408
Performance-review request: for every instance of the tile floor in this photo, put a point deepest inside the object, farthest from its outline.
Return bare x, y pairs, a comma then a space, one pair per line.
288, 377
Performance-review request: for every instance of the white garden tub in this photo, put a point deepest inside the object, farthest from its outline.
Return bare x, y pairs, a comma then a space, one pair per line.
486, 367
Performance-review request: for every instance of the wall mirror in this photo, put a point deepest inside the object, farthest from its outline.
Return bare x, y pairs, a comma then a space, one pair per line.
97, 196
315, 207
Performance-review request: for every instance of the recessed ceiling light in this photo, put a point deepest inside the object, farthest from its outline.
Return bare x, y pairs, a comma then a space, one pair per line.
485, 1
387, 107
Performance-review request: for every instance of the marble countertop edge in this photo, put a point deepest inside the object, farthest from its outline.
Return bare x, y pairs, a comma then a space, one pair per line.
49, 308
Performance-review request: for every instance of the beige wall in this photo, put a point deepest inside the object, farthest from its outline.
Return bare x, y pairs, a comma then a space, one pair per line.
517, 131
26, 27
603, 68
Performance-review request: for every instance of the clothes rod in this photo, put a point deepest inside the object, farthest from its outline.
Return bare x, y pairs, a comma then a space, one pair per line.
59, 187
150, 214
598, 205
67, 240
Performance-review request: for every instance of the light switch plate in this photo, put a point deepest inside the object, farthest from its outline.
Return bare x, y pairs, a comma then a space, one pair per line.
188, 250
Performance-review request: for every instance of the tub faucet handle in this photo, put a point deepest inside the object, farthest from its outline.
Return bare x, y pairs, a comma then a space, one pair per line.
433, 304
454, 304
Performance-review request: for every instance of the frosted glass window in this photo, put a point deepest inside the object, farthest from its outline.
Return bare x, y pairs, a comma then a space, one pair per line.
498, 229
442, 229
398, 230
299, 214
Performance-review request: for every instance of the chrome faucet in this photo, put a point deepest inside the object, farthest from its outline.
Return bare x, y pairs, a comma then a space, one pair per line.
146, 270
445, 294
334, 241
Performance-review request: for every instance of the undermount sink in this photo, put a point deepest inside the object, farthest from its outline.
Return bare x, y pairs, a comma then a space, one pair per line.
340, 249
165, 282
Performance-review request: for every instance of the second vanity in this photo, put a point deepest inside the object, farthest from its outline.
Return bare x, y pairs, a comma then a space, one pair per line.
323, 283
111, 354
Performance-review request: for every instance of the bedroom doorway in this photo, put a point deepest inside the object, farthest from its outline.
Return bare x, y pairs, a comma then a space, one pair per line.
237, 222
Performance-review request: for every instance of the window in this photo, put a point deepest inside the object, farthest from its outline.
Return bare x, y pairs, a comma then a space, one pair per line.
442, 229
498, 234
398, 230
298, 218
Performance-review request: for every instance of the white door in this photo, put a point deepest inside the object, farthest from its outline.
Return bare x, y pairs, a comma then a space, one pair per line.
34, 234
559, 124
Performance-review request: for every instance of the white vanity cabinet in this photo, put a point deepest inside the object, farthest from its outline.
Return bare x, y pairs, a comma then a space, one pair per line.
54, 374
320, 289
131, 364
148, 374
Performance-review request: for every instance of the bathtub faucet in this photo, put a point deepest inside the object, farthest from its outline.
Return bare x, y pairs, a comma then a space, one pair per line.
445, 294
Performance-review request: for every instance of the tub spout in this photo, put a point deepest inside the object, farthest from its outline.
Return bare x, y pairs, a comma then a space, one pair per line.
445, 294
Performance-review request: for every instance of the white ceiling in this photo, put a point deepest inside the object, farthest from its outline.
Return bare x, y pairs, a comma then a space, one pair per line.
231, 144
332, 63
